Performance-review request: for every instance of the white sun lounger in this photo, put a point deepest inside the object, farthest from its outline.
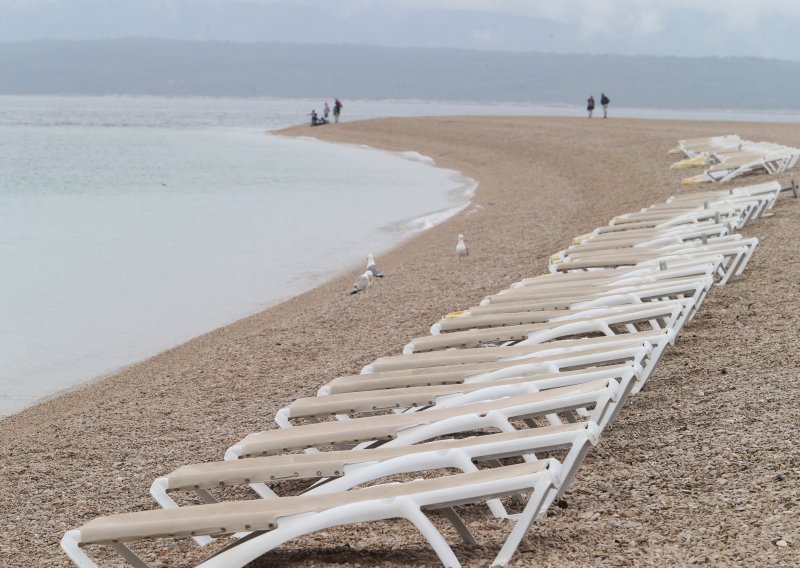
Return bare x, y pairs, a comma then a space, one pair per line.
274, 522
507, 309
340, 470
414, 427
370, 402
772, 161
693, 146
665, 261
721, 214
424, 363
621, 275
607, 320
739, 209
344, 469
769, 190
523, 306
637, 351
653, 237
735, 250
686, 231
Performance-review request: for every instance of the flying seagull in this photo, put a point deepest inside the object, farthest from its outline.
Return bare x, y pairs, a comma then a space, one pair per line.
362, 282
461, 248
373, 268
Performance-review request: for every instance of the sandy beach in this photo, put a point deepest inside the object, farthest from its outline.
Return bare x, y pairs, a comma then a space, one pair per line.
701, 467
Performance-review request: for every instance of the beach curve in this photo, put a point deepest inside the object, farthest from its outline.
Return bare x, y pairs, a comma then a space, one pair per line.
649, 494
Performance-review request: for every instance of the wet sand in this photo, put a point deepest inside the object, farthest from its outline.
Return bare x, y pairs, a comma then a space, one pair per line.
701, 467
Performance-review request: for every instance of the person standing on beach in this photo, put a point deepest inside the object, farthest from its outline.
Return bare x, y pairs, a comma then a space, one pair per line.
337, 109
326, 110
590, 105
604, 100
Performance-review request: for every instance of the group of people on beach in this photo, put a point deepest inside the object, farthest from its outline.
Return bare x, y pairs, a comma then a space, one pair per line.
604, 100
316, 120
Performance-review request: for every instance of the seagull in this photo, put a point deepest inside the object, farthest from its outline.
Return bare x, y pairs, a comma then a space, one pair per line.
362, 283
461, 248
373, 268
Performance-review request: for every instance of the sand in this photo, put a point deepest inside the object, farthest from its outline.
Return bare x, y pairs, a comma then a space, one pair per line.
701, 467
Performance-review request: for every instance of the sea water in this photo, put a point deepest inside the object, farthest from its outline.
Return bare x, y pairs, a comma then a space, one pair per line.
127, 230
131, 224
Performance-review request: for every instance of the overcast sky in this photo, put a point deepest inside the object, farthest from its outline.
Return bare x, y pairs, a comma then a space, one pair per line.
761, 28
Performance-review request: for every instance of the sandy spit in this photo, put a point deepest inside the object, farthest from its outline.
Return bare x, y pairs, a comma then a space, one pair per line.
702, 467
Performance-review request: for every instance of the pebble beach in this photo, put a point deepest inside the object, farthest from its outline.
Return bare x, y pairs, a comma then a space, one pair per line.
701, 467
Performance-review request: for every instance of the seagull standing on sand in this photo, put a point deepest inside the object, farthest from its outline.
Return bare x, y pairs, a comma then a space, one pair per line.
373, 268
362, 283
461, 248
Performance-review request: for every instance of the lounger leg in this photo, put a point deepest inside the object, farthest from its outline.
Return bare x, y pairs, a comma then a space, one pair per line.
251, 549
129, 555
70, 544
432, 535
459, 524
526, 519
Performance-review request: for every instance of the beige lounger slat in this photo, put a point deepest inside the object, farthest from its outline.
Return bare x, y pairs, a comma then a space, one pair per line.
412, 397
532, 294
530, 303
522, 312
622, 260
770, 187
387, 427
615, 315
239, 516
501, 319
495, 354
713, 244
459, 373
610, 275
328, 464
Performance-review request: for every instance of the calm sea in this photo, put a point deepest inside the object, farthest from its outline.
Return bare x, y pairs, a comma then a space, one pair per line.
131, 224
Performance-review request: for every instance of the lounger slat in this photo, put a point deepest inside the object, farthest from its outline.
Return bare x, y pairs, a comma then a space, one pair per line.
387, 427
332, 464
239, 516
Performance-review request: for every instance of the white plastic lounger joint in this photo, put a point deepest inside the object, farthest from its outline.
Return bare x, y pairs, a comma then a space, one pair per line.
282, 418
158, 490
70, 544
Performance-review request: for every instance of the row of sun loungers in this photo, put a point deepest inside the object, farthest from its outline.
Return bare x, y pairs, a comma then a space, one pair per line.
728, 157
512, 393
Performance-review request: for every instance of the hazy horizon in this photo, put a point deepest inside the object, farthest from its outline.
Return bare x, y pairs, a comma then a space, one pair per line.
295, 71
684, 28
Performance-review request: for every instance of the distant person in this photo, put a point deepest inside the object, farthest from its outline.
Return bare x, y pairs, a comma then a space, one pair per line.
326, 111
316, 120
337, 109
604, 100
590, 105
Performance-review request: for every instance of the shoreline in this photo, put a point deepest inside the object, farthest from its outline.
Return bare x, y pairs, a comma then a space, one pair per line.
541, 182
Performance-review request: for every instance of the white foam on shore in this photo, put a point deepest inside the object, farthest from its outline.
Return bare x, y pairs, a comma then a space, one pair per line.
417, 157
425, 222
